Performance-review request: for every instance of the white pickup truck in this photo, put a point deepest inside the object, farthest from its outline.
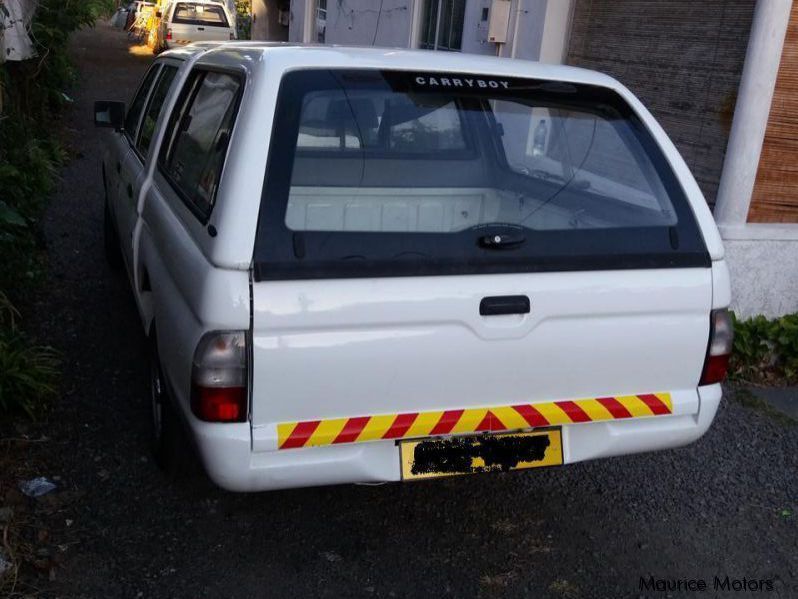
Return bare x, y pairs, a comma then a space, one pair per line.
362, 265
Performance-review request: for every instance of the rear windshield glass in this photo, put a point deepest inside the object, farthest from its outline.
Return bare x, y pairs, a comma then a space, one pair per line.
190, 13
380, 173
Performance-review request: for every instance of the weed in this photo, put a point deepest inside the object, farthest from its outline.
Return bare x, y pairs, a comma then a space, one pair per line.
27, 372
31, 98
766, 350
564, 589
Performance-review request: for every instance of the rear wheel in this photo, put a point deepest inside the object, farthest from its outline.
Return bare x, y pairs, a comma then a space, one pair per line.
168, 440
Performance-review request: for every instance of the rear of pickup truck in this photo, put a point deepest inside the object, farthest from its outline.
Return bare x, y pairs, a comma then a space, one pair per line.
458, 273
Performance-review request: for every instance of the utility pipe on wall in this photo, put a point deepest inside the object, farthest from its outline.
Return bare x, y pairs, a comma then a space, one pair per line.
519, 10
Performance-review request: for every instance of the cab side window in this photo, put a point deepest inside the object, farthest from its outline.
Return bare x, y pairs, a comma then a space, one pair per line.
154, 108
197, 137
134, 112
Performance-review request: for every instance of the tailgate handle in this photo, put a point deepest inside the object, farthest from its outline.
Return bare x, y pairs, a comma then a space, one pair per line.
504, 304
200, 28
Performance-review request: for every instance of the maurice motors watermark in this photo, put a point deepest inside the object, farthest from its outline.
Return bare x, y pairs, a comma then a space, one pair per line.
716, 584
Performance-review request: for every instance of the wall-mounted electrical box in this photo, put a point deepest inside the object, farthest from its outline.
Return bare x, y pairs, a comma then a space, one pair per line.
499, 21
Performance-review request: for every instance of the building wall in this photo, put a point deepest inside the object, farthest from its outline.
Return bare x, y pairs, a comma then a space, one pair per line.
296, 21
265, 24
554, 42
527, 21
530, 16
361, 23
681, 57
475, 30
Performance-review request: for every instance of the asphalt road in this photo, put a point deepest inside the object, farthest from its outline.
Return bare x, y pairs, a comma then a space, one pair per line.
725, 506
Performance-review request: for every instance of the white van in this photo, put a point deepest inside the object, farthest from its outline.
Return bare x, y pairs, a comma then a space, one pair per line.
198, 21
361, 265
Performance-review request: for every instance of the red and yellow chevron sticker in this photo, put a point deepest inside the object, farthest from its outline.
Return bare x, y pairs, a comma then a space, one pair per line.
316, 433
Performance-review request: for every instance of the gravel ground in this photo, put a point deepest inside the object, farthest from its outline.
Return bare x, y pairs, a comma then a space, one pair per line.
724, 506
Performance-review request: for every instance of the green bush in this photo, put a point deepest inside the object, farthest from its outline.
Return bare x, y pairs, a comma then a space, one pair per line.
27, 174
243, 19
27, 372
766, 350
32, 94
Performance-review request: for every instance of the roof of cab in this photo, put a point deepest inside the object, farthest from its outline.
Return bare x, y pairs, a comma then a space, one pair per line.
290, 54
194, 48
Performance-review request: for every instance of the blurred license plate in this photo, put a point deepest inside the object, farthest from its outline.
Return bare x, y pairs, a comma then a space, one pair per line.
450, 456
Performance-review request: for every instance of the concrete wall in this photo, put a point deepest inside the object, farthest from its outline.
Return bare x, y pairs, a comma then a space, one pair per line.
296, 22
764, 273
681, 57
475, 30
360, 22
538, 30
527, 21
557, 31
355, 22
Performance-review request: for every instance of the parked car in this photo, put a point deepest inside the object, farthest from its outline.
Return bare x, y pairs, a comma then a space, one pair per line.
182, 23
362, 265
120, 17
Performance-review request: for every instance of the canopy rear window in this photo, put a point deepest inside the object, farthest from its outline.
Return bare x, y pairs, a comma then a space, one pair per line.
195, 13
386, 173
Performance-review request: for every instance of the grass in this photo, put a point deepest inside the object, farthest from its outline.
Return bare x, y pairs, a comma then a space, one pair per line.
28, 372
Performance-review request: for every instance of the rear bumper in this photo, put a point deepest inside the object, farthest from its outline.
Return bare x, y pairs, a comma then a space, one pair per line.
226, 450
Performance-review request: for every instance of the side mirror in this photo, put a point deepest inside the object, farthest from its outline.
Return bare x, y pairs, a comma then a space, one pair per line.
109, 114
158, 14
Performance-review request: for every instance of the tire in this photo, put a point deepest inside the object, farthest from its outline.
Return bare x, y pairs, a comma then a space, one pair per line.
168, 442
113, 253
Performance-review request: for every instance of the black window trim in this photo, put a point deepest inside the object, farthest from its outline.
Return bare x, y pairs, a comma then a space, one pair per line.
135, 145
127, 134
238, 74
280, 253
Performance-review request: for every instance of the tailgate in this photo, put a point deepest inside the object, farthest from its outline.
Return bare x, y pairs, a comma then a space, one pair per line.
367, 359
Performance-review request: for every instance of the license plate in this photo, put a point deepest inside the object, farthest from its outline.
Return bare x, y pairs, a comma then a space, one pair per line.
451, 456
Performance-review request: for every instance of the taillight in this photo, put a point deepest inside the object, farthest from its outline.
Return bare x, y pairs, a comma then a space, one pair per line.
168, 34
219, 377
721, 337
